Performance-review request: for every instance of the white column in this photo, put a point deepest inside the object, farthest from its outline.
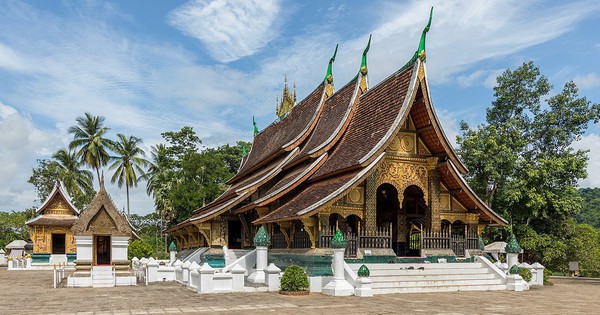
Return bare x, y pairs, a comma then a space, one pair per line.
238, 278
178, 270
273, 277
193, 266
84, 248
185, 276
539, 270
364, 287
338, 286
258, 276
206, 278
172, 255
152, 271
512, 259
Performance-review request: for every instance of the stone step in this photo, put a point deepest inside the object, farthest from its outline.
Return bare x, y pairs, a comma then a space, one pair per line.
417, 266
446, 283
430, 277
495, 287
425, 272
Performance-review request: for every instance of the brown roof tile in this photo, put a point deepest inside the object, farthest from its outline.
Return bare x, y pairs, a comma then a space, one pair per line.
276, 136
332, 117
375, 114
54, 220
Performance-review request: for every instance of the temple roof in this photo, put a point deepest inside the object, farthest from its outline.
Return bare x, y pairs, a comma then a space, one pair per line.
57, 209
331, 141
102, 217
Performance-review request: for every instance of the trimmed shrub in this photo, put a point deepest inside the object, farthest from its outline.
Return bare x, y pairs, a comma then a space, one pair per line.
547, 274
294, 279
525, 274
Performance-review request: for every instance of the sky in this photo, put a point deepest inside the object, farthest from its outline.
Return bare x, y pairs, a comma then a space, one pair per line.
152, 66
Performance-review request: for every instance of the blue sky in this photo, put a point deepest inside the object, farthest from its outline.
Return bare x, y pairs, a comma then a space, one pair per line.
155, 66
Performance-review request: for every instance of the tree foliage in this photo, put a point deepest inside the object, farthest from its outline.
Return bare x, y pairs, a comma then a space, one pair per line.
522, 163
127, 163
182, 178
12, 226
590, 212
90, 142
64, 167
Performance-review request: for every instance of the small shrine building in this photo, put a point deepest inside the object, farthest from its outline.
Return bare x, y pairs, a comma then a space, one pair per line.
371, 161
50, 230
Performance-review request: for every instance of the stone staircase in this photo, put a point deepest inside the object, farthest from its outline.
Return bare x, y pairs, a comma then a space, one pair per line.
434, 277
103, 277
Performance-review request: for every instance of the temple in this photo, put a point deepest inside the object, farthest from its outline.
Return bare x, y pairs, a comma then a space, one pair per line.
373, 162
50, 230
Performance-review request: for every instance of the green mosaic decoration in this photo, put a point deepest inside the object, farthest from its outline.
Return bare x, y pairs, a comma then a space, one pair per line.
363, 271
329, 74
480, 243
512, 246
514, 270
262, 237
339, 241
172, 247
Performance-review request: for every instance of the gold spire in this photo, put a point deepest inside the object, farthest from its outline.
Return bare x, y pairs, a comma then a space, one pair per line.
287, 100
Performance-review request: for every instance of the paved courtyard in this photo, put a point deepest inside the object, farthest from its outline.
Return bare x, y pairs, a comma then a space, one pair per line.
30, 292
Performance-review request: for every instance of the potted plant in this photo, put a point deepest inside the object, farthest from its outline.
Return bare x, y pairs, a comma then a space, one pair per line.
294, 281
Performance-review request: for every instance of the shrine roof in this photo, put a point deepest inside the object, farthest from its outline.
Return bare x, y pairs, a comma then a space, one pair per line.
318, 194
59, 191
53, 220
336, 111
451, 176
285, 134
378, 114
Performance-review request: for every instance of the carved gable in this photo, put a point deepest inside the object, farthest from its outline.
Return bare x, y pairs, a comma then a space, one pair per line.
102, 218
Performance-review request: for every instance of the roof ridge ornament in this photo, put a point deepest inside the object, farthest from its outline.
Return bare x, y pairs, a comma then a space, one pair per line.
363, 67
255, 126
288, 100
329, 75
420, 53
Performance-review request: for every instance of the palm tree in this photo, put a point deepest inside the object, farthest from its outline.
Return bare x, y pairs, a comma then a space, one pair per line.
160, 180
127, 162
78, 182
89, 142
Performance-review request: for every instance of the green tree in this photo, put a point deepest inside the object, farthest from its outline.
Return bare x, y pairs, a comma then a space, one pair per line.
159, 181
89, 141
522, 163
590, 212
64, 167
78, 182
128, 163
12, 226
521, 160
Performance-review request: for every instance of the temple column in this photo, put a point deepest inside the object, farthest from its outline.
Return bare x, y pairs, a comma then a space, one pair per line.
433, 217
370, 224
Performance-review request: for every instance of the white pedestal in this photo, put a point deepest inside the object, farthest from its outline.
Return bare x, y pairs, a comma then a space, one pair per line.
258, 276
364, 287
338, 286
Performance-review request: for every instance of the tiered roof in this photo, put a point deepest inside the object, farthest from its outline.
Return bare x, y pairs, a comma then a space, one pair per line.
329, 144
57, 209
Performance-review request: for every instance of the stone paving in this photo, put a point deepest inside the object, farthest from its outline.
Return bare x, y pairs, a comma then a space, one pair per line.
31, 292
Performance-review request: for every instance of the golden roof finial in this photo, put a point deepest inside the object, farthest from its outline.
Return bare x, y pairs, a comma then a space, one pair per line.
287, 100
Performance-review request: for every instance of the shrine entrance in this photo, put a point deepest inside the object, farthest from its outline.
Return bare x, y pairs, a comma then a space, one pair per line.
58, 244
414, 208
234, 234
388, 210
102, 250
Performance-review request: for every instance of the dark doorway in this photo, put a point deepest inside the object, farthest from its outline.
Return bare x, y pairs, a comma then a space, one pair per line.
103, 248
414, 206
388, 208
58, 244
235, 234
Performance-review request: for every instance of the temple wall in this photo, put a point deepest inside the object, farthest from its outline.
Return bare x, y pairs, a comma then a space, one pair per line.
42, 238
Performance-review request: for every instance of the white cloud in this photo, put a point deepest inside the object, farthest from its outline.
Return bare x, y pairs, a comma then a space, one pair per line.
464, 33
21, 142
229, 29
588, 81
590, 142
